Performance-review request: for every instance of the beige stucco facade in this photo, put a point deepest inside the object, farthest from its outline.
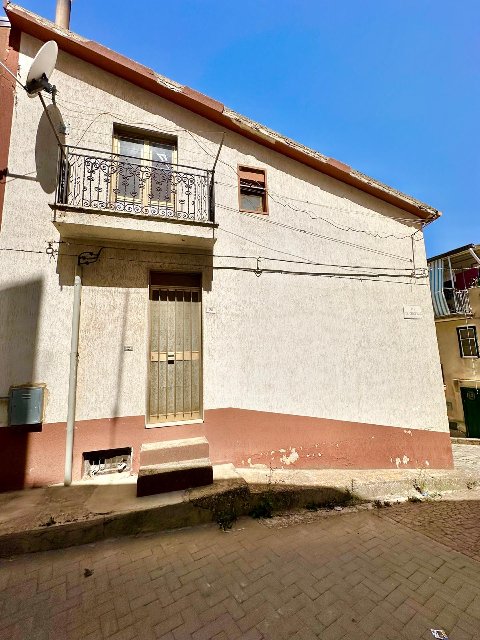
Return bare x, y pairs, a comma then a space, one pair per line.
316, 332
458, 371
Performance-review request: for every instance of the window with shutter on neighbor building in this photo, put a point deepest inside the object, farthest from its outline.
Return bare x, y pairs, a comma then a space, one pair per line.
467, 341
252, 186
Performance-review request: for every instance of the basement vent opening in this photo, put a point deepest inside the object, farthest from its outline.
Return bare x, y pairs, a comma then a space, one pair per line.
105, 461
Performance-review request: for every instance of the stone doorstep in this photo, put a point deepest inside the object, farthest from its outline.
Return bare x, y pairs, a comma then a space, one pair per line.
183, 465
153, 453
163, 478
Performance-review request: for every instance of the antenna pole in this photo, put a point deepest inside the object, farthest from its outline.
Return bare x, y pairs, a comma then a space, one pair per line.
212, 182
42, 100
218, 152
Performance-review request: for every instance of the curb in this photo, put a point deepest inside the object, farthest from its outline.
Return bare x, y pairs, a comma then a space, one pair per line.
221, 502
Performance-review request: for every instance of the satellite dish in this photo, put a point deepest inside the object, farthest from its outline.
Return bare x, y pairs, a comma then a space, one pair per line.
41, 69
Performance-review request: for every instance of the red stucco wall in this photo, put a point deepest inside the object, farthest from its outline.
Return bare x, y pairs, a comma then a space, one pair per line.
235, 435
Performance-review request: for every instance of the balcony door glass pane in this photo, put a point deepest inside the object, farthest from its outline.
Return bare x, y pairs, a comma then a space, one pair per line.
130, 175
163, 156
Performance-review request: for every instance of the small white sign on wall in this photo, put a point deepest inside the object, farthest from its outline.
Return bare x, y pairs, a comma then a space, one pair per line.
412, 312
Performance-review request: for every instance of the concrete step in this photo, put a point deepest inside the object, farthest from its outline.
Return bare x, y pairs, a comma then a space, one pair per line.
171, 451
163, 478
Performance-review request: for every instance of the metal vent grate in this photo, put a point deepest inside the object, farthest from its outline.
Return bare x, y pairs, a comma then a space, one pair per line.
106, 461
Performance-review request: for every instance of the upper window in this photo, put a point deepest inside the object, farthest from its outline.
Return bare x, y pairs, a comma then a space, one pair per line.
252, 190
467, 341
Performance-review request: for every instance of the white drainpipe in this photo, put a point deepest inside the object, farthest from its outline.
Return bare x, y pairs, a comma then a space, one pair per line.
72, 382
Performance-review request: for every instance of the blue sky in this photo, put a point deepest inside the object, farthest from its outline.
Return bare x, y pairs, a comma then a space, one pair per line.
390, 87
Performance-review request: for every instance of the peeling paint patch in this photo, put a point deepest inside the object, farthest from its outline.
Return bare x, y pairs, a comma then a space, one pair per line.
397, 462
427, 463
408, 431
405, 459
282, 451
292, 458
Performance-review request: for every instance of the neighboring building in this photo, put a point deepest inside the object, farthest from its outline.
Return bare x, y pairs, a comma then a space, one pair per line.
278, 306
454, 283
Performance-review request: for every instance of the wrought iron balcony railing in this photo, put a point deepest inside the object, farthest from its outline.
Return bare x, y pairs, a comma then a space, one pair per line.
118, 183
461, 302
448, 301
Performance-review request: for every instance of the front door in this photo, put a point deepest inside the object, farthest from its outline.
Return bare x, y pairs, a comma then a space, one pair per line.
471, 410
175, 354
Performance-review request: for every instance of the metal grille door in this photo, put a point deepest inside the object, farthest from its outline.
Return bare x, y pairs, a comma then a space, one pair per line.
175, 354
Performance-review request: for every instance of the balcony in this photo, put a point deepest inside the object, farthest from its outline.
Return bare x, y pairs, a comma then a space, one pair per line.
457, 302
109, 196
450, 291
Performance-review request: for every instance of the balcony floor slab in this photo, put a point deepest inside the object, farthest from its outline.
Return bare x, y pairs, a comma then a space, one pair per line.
95, 224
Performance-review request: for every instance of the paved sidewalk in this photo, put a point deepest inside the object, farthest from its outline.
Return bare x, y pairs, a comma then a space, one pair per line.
57, 517
358, 576
466, 457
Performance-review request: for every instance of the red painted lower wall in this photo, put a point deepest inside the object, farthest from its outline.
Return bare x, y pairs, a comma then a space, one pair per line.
235, 435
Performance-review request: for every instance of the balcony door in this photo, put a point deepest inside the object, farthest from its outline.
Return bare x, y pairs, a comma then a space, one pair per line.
143, 179
175, 350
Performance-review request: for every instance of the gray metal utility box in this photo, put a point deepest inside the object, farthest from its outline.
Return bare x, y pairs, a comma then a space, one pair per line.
26, 405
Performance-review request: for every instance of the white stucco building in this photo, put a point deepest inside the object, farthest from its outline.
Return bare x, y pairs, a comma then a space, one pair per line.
236, 284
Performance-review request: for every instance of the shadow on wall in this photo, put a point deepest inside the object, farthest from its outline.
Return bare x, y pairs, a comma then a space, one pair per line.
46, 148
19, 313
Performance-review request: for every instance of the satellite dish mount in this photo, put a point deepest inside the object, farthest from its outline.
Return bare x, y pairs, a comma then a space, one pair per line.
40, 84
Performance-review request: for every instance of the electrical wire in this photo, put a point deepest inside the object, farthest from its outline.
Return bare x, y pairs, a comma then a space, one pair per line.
20, 250
272, 195
364, 213
233, 256
315, 234
357, 276
379, 277
270, 192
341, 228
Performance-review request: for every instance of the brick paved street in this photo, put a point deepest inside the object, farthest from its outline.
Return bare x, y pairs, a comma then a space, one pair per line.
356, 576
456, 523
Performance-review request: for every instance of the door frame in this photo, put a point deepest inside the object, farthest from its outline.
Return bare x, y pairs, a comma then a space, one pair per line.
463, 390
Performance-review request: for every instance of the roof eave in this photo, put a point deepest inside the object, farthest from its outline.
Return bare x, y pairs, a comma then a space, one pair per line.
198, 103
453, 252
